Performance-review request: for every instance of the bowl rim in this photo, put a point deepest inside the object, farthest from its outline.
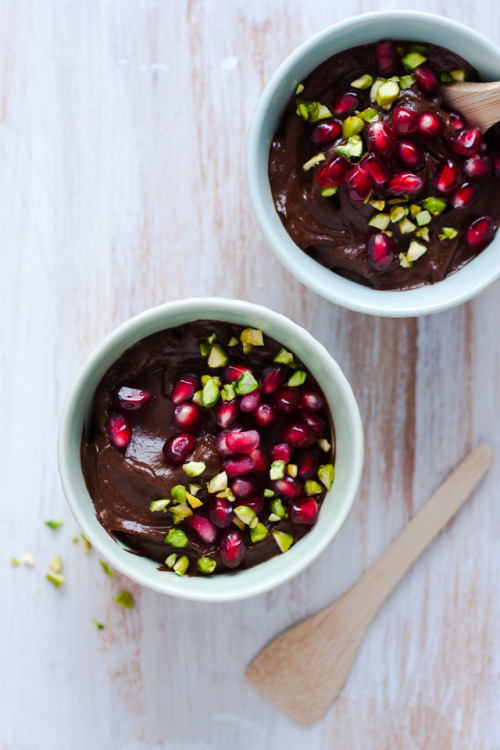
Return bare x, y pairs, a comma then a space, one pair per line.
472, 278
193, 309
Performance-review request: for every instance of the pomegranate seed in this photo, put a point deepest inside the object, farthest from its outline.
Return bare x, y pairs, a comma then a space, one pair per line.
312, 400
233, 372
232, 548
226, 412
426, 79
381, 138
287, 400
250, 401
346, 104
119, 430
480, 232
333, 173
431, 124
477, 167
260, 460
466, 195
220, 512
203, 526
456, 121
307, 466
466, 142
298, 435
187, 417
281, 452
375, 168
404, 121
132, 399
274, 377
326, 131
185, 388
243, 442
243, 487
358, 183
387, 59
178, 447
496, 164
238, 466
317, 424
379, 252
265, 415
447, 176
220, 441
304, 511
405, 182
255, 503
409, 155
287, 488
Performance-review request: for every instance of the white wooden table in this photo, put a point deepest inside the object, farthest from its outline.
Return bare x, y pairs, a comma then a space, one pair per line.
122, 137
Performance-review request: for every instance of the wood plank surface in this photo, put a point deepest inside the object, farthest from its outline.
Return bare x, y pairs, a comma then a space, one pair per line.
122, 136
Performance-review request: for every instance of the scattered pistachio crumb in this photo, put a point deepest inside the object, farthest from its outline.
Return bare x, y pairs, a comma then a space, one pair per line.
54, 524
313, 161
300, 88
55, 564
194, 468
181, 565
218, 483
86, 545
277, 470
75, 540
55, 578
125, 599
171, 559
283, 540
159, 504
252, 336
233, 341
324, 445
28, 559
106, 568
298, 378
14, 561
98, 624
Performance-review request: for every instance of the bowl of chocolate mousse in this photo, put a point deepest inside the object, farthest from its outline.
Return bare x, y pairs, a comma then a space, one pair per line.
210, 449
368, 188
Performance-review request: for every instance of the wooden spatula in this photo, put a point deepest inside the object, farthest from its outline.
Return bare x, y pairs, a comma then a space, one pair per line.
479, 102
303, 670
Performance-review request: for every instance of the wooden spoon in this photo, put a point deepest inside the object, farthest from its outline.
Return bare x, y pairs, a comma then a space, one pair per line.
479, 102
303, 670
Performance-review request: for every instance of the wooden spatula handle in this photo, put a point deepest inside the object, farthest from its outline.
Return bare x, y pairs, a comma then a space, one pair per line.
378, 582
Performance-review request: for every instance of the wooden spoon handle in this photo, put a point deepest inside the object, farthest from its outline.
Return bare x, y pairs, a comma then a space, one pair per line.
378, 582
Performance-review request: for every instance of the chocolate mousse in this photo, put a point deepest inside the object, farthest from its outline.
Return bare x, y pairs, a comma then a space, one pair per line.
210, 448
374, 178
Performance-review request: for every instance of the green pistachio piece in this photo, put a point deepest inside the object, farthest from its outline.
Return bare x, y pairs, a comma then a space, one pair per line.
298, 378
27, 559
375, 87
300, 88
379, 205
326, 475
276, 506
55, 578
387, 93
194, 488
313, 161
398, 213
107, 569
406, 82
194, 468
54, 524
397, 201
283, 357
245, 514
406, 226
380, 221
370, 115
415, 251
312, 111
205, 349
258, 533
227, 393
98, 624
210, 393
14, 561
55, 564
448, 233
193, 501
75, 540
178, 493
268, 493
233, 341
363, 82
277, 470
181, 566
414, 210
423, 234
273, 518
329, 191
423, 218
246, 383
217, 357
434, 205
413, 60
446, 78
283, 540
324, 445
206, 565
292, 470
227, 494
159, 504
352, 126
417, 48
180, 512
458, 75
404, 262
353, 147
177, 538
217, 483
171, 559
312, 488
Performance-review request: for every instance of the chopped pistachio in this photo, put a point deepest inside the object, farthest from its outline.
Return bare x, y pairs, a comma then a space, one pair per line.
246, 383
448, 233
56, 564
387, 93
363, 82
14, 561
177, 538
227, 393
206, 565
352, 126
312, 111
458, 75
217, 357
423, 218
413, 60
204, 349
57, 579
283, 357
367, 199
197, 398
415, 251
227, 494
379, 205
423, 234
125, 599
417, 48
269, 493
75, 540
245, 513
180, 512
404, 262
353, 147
194, 488
252, 336
277, 470
178, 493
217, 483
215, 378
312, 488
329, 191
406, 82
247, 348
300, 88
446, 78
313, 161
324, 445
106, 568
406, 226
397, 201
98, 624
414, 210
233, 341
326, 475
181, 566
171, 560
210, 393
398, 213
370, 115
159, 504
434, 205
54, 524
292, 470
274, 518
298, 378
238, 522
380, 221
28, 559
375, 87
276, 506
258, 533
283, 540
194, 468
193, 501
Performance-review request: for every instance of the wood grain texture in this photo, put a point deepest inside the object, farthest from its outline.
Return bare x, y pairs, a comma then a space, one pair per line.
122, 137
479, 102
